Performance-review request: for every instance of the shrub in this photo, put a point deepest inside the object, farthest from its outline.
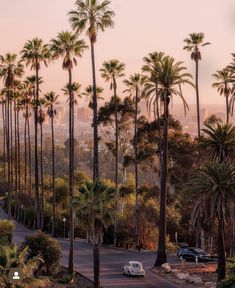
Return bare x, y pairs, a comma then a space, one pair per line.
229, 282
48, 248
231, 266
6, 231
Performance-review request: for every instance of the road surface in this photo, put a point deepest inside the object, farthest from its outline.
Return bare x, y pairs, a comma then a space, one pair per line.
112, 261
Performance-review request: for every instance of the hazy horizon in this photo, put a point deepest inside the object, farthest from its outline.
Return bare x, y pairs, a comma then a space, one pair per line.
139, 29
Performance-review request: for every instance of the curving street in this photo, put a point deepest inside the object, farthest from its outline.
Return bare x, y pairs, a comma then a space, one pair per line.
112, 261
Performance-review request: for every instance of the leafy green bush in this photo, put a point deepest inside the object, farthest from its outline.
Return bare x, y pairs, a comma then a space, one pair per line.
48, 248
229, 282
6, 231
231, 266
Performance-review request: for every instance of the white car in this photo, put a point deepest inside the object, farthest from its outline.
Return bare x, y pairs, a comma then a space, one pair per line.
133, 268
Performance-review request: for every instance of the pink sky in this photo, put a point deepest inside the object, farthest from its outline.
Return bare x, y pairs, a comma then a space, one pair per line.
140, 27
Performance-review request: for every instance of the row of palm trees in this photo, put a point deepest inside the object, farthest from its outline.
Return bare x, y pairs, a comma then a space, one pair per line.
162, 81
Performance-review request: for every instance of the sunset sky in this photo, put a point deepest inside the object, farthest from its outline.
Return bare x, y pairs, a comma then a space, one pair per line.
140, 27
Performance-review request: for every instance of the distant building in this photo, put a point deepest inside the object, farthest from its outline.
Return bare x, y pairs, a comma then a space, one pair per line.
204, 114
84, 114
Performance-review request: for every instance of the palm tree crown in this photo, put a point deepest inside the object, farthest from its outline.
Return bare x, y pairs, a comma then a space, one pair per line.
92, 17
220, 140
68, 46
111, 70
35, 52
89, 94
193, 43
10, 68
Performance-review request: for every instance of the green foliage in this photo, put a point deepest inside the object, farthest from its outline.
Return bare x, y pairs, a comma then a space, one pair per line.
231, 266
6, 231
31, 267
229, 282
48, 248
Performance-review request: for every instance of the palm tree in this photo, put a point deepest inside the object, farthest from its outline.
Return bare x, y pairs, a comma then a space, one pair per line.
94, 206
219, 140
135, 85
3, 104
92, 16
89, 94
213, 188
34, 53
170, 76
28, 266
26, 100
193, 44
111, 71
223, 79
151, 87
10, 69
41, 120
50, 102
68, 46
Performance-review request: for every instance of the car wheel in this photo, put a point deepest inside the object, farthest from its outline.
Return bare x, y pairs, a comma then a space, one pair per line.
129, 274
123, 272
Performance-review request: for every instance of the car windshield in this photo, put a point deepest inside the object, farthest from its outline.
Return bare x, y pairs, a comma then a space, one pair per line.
136, 265
200, 251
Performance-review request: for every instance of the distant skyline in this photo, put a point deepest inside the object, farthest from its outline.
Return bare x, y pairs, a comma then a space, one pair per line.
140, 28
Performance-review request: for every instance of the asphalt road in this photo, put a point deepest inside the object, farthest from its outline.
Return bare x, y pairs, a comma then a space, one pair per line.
112, 261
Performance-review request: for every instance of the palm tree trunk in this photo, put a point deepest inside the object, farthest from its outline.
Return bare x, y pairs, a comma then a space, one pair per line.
198, 102
96, 255
53, 171
161, 253
4, 139
116, 161
19, 163
95, 124
16, 162
11, 152
221, 251
30, 162
71, 175
42, 180
36, 148
136, 172
8, 155
25, 155
227, 102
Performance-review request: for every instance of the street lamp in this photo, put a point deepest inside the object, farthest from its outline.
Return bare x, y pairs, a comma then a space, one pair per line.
22, 213
64, 221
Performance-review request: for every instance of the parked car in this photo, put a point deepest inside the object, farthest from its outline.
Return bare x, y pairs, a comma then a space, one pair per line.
192, 254
133, 268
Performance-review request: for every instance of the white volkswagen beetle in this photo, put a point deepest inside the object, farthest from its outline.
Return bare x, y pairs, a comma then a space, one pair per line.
133, 268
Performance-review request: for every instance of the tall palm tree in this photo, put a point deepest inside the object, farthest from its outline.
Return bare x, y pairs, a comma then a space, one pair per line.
193, 44
92, 16
41, 120
213, 187
111, 71
95, 210
50, 102
89, 94
3, 104
170, 76
34, 53
151, 93
26, 102
135, 85
10, 69
151, 87
219, 140
69, 47
223, 84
